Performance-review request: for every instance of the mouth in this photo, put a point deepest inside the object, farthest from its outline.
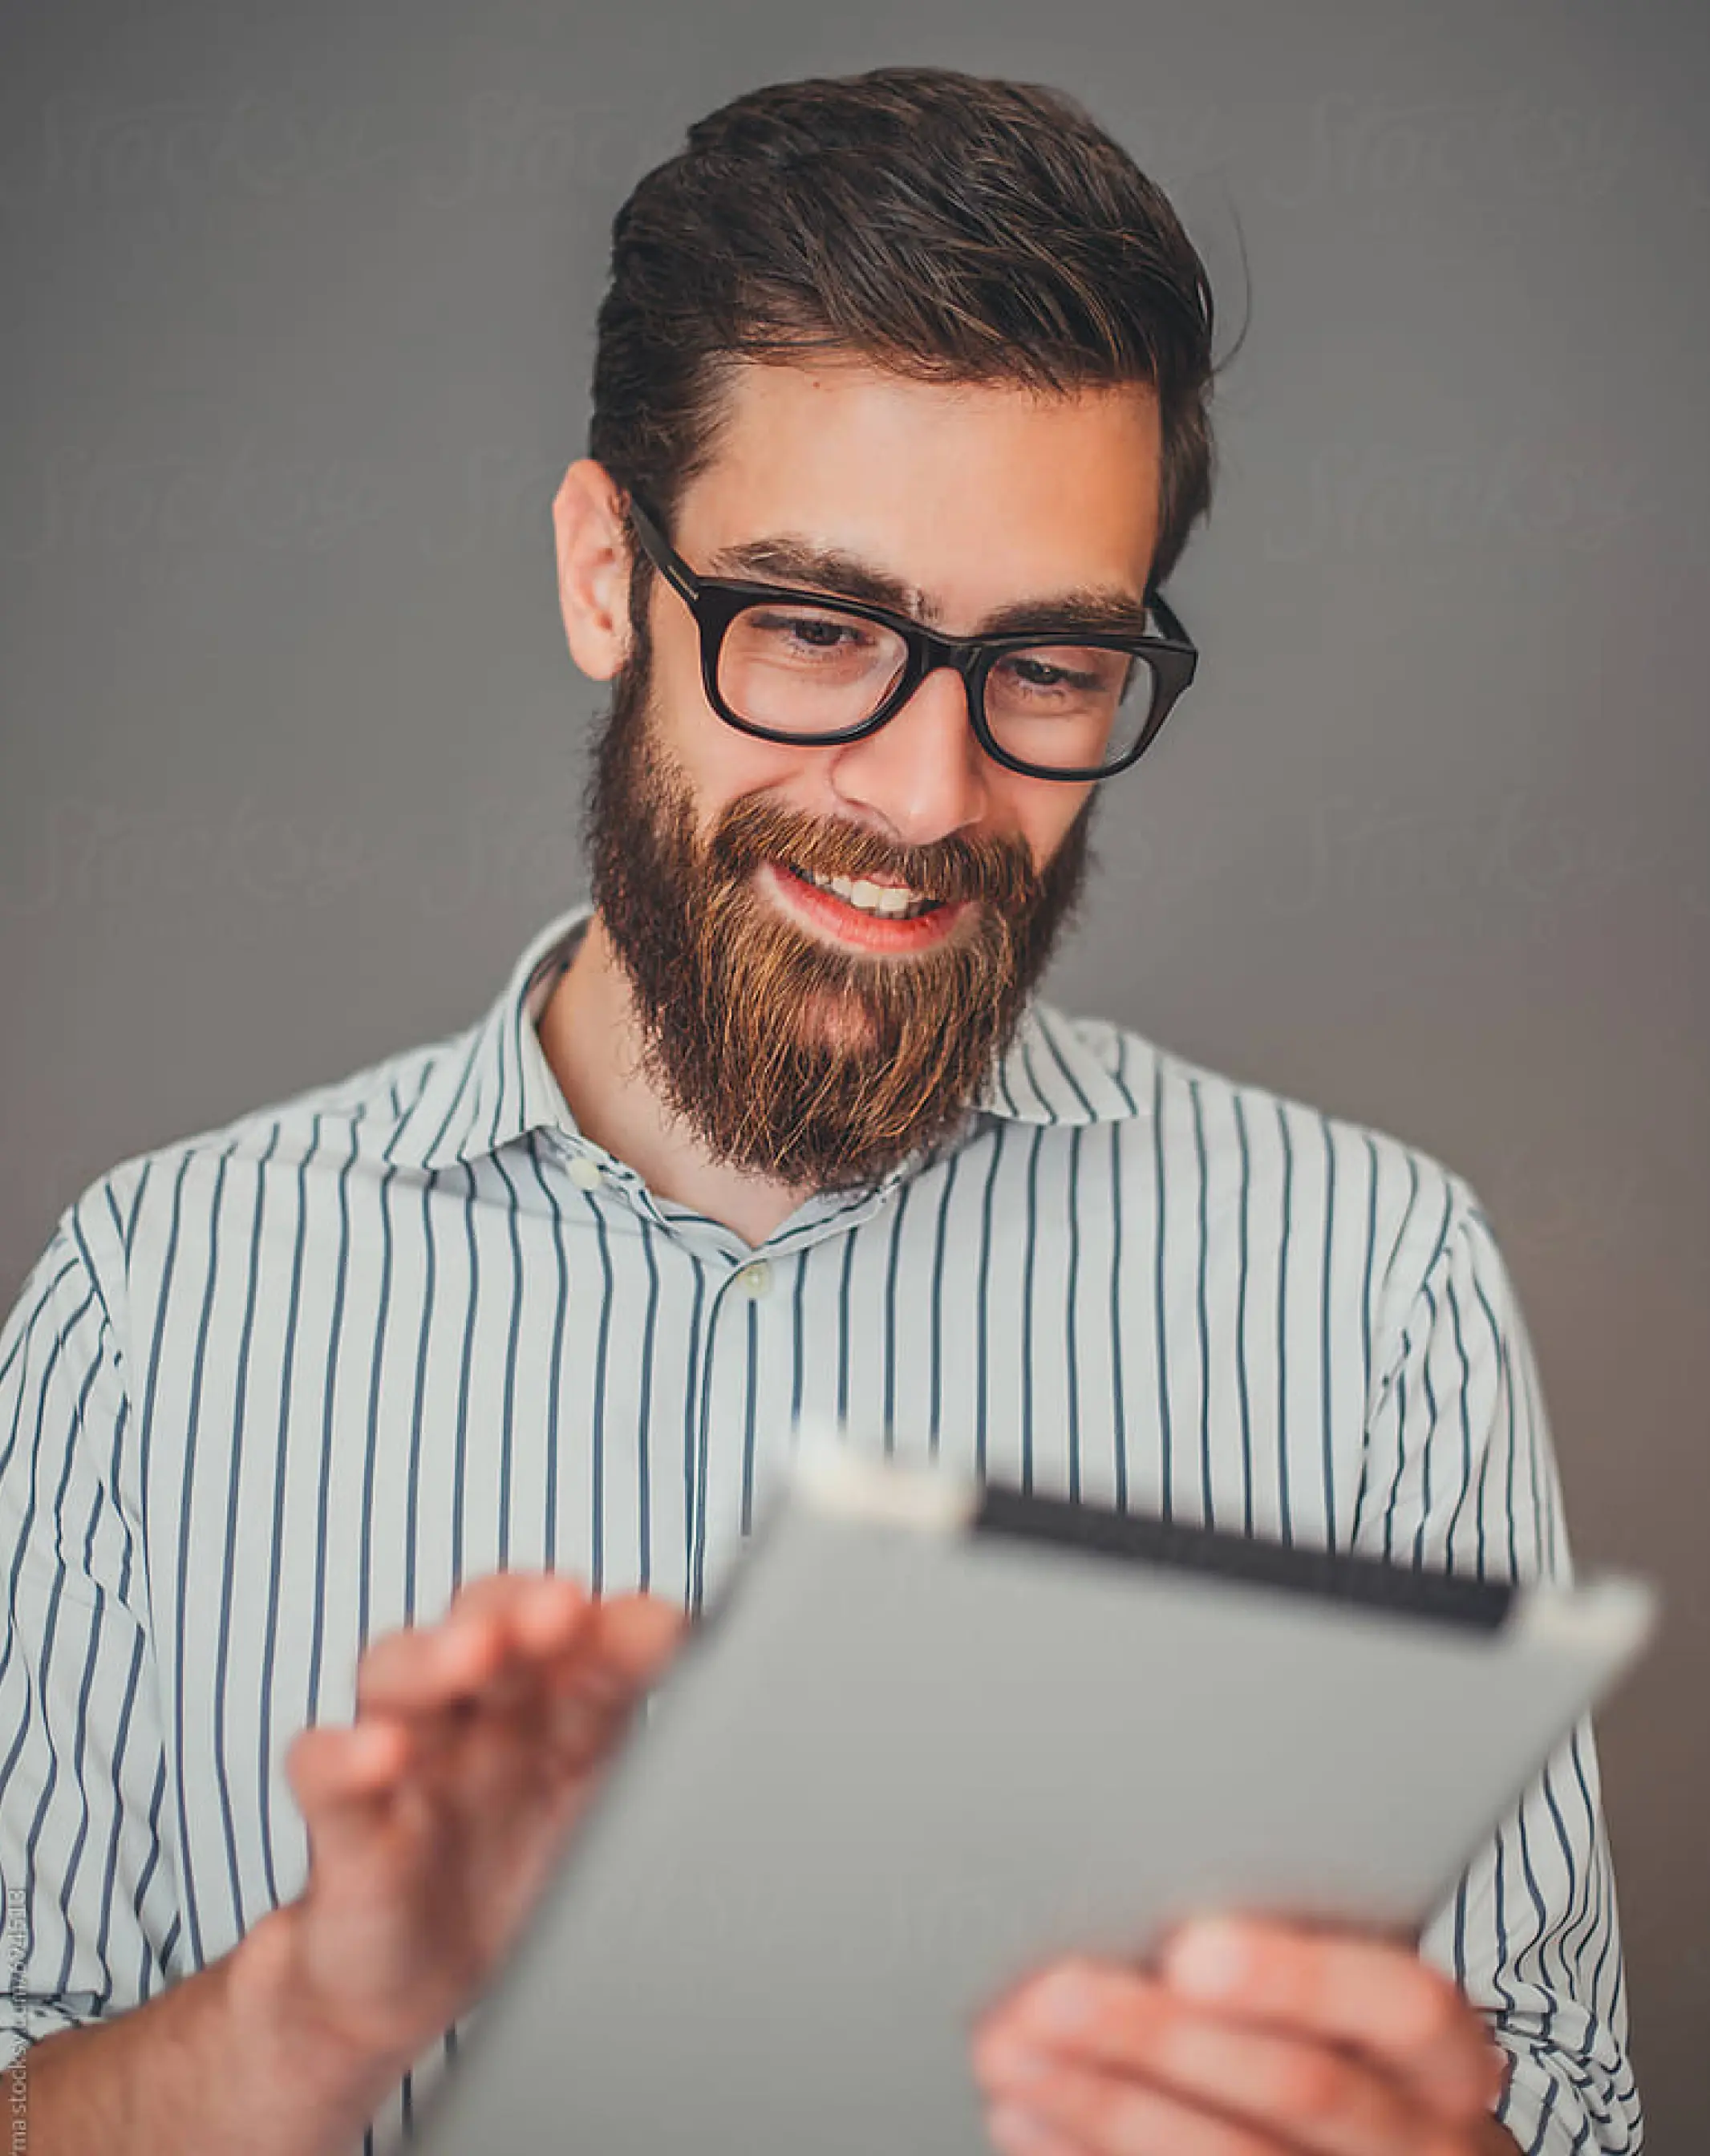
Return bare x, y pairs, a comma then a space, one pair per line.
890, 902
859, 911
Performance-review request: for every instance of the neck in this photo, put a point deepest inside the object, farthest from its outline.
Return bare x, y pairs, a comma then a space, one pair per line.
593, 1039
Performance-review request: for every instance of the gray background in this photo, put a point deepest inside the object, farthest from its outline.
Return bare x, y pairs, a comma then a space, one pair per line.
299, 309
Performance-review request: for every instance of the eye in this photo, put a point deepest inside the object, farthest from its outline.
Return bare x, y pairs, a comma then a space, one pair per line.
809, 641
1031, 669
812, 631
1042, 674
823, 635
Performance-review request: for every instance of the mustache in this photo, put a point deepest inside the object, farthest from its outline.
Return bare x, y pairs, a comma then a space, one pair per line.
999, 870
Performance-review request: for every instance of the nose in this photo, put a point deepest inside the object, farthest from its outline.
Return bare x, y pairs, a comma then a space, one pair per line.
923, 776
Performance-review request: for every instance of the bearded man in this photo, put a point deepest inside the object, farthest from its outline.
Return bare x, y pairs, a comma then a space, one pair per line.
365, 1457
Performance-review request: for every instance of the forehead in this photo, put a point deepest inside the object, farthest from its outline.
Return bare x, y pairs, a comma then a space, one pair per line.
975, 496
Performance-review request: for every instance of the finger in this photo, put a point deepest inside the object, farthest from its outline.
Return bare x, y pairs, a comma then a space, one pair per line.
1117, 2022
596, 1670
1371, 1994
1103, 2114
546, 1630
494, 1630
608, 1648
345, 1781
595, 1691
330, 1765
521, 1688
636, 1636
526, 1621
545, 1602
1018, 2133
424, 1667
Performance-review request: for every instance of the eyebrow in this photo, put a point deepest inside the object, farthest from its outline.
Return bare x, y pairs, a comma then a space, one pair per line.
784, 560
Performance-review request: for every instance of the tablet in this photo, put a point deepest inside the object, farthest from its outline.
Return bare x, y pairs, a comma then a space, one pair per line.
934, 1733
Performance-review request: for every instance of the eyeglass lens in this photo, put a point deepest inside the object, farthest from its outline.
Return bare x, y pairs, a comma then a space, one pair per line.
807, 671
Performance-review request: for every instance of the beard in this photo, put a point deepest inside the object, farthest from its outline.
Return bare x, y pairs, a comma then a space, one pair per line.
788, 1057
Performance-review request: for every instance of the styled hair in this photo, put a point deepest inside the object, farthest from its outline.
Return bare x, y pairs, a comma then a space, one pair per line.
946, 227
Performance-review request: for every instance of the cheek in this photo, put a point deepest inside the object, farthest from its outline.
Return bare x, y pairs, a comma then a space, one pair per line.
731, 767
719, 763
1043, 818
722, 766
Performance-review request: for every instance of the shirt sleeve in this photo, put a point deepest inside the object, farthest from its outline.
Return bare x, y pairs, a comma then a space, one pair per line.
92, 1917
1461, 1474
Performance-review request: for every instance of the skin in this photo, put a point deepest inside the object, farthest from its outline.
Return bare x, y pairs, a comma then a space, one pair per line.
436, 1816
1009, 497
432, 1820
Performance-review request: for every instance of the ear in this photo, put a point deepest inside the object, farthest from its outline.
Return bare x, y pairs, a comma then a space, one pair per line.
593, 567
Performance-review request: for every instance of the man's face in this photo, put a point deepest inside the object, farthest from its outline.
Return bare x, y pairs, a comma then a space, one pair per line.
820, 1038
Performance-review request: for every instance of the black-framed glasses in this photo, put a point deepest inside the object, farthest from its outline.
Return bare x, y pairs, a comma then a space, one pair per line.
795, 666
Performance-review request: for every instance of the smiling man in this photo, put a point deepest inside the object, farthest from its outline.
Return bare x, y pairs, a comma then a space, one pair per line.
363, 1458
818, 924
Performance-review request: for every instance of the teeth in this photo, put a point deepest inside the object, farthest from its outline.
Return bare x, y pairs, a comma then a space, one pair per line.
894, 902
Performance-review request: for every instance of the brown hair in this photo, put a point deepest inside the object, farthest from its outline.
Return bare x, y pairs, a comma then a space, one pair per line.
950, 228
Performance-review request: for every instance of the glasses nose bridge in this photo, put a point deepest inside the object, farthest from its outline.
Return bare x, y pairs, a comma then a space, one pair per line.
932, 651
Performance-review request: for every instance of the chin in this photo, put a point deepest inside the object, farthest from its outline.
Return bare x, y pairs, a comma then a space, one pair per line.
828, 1020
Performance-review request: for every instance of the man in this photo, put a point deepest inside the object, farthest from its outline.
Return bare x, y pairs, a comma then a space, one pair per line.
361, 1458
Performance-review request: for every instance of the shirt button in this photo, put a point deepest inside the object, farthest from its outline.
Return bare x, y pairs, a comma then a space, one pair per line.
755, 1280
583, 1173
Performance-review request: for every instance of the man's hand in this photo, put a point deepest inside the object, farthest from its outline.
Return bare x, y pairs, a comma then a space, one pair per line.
433, 1821
1251, 2039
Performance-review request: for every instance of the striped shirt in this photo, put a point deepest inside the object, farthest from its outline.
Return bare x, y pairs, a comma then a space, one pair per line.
279, 1389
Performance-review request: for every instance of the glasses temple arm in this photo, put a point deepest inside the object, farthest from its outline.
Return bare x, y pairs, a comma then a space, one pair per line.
1170, 622
660, 551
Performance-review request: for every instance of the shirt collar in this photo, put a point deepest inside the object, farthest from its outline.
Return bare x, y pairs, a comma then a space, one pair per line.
1064, 1071
493, 1084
